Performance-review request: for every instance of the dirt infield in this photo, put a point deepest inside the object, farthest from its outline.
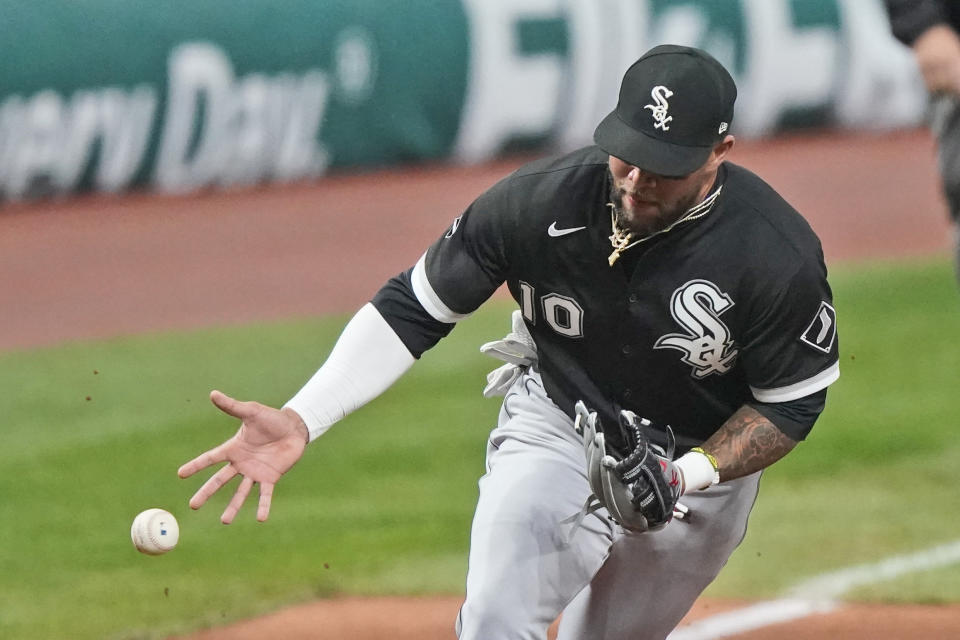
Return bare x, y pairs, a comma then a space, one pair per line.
95, 267
432, 619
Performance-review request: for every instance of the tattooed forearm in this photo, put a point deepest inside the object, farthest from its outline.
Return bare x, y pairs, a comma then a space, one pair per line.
746, 443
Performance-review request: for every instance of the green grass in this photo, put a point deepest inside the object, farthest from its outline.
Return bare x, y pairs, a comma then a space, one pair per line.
877, 475
382, 504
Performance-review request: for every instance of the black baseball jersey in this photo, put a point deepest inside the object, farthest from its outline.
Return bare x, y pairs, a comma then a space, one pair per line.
729, 307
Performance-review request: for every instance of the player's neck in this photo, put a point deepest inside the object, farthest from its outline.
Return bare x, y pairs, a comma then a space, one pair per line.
710, 184
628, 236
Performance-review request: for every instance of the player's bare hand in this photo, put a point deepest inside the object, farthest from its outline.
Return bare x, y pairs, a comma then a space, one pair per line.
937, 52
268, 443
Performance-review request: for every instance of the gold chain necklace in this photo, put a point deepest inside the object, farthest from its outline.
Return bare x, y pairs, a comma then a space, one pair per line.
621, 240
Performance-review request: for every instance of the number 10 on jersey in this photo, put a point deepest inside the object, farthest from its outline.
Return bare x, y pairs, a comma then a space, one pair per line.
562, 313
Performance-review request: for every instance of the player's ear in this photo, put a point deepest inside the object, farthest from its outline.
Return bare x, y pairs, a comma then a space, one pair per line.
720, 151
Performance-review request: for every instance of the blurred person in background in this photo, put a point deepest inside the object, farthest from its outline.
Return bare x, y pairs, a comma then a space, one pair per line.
930, 28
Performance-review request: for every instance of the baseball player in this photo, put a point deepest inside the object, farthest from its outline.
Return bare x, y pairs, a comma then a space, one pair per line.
674, 337
932, 29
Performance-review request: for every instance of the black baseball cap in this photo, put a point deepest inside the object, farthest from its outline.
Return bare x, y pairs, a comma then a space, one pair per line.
675, 104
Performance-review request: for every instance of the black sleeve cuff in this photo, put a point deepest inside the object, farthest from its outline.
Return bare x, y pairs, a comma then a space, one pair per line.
398, 305
794, 418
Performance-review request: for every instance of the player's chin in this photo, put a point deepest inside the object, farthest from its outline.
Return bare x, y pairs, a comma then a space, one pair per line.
639, 214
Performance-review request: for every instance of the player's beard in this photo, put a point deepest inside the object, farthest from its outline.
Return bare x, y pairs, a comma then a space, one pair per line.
654, 217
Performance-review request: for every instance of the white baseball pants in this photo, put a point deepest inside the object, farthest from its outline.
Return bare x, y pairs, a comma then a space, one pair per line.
527, 564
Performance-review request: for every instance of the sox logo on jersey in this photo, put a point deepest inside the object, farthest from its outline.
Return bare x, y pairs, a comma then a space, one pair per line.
707, 345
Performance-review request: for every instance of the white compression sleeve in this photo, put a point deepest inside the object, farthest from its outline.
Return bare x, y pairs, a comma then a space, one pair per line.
367, 358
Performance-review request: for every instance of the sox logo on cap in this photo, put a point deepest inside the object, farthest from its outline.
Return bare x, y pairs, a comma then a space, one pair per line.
659, 111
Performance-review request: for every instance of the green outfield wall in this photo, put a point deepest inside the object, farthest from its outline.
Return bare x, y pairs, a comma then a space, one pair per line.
179, 95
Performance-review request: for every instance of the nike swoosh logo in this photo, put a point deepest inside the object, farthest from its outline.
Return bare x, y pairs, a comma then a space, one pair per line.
553, 232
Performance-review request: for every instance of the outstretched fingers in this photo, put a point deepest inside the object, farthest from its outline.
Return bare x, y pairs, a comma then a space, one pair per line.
212, 485
266, 497
237, 501
247, 453
204, 460
263, 508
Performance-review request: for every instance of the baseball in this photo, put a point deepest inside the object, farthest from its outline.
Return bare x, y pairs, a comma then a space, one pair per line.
155, 531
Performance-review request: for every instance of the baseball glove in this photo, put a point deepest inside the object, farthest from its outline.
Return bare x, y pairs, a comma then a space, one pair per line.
640, 490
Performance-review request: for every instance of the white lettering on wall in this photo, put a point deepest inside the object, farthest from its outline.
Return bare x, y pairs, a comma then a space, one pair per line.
219, 130
355, 64
508, 94
47, 142
606, 37
882, 88
854, 72
788, 67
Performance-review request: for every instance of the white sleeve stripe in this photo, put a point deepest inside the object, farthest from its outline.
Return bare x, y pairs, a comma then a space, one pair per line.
427, 297
801, 389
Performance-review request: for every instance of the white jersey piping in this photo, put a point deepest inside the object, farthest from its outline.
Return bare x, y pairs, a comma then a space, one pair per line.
800, 389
